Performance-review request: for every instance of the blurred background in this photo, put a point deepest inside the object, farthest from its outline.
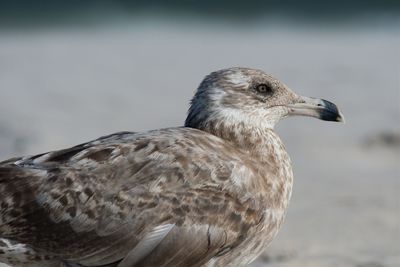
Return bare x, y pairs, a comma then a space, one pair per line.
71, 71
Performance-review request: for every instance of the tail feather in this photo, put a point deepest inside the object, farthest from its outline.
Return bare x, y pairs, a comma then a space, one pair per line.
17, 191
17, 254
17, 186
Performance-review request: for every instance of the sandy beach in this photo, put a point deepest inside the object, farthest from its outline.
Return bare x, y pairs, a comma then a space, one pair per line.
60, 88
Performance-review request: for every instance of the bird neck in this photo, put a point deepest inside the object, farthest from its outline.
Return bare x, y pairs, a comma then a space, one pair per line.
267, 152
250, 138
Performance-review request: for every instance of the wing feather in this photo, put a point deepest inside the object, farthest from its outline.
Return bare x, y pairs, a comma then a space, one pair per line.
192, 245
97, 202
148, 243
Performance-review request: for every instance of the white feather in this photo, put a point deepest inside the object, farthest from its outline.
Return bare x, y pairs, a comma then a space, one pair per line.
151, 240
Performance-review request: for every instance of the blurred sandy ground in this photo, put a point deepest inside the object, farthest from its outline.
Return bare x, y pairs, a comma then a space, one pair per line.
67, 86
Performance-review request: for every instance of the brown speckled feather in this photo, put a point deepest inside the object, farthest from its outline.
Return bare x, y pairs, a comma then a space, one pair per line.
212, 193
101, 198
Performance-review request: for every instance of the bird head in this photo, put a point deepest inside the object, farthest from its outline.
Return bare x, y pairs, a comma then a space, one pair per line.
254, 98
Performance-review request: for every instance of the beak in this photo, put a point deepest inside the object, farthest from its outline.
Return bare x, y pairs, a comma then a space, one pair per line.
318, 108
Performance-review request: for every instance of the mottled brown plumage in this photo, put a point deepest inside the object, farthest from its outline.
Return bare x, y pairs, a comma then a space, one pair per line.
212, 193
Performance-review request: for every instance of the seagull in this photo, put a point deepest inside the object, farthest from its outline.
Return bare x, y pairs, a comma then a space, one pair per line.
213, 192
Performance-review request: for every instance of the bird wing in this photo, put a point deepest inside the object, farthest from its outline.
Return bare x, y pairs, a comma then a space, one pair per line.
142, 197
182, 246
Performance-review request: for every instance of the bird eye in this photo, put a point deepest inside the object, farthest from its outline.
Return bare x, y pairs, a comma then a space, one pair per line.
264, 89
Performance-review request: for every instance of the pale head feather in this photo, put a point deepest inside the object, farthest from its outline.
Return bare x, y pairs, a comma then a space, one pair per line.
230, 96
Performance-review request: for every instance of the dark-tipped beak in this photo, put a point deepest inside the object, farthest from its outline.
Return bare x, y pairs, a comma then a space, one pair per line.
318, 108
